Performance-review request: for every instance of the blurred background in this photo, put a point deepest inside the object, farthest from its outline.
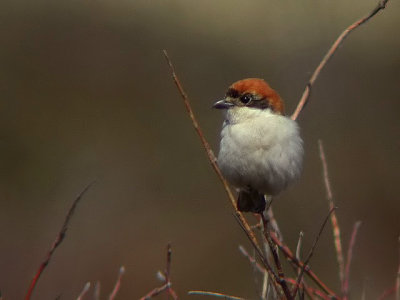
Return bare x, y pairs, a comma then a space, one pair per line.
86, 94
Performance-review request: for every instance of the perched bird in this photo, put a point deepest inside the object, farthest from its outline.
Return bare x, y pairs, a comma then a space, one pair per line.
261, 151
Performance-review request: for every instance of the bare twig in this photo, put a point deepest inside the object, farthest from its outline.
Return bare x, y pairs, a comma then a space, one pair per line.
282, 282
256, 265
218, 295
210, 153
349, 258
84, 291
298, 257
310, 254
258, 268
334, 221
168, 273
298, 248
166, 277
306, 94
289, 255
387, 293
60, 237
274, 277
155, 292
117, 285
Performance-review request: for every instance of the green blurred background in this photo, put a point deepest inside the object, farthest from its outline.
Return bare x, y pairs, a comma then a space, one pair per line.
86, 94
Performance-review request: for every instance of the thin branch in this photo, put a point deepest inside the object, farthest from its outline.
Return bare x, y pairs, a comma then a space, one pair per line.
155, 292
168, 273
309, 290
117, 285
209, 152
387, 293
215, 294
166, 277
289, 255
60, 237
282, 282
349, 258
310, 254
334, 221
298, 248
259, 268
298, 257
275, 278
306, 94
256, 265
84, 291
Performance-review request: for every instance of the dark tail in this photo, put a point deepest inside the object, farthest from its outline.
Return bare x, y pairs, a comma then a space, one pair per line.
251, 201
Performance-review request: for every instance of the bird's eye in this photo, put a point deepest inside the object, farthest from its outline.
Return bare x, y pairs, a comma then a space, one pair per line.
246, 98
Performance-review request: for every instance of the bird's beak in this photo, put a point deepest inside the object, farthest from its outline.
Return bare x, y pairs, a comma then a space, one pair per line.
223, 104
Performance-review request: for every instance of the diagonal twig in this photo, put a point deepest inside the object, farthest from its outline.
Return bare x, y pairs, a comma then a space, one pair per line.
155, 292
210, 153
289, 256
275, 278
60, 237
345, 285
334, 221
306, 94
310, 254
390, 291
117, 285
256, 265
84, 291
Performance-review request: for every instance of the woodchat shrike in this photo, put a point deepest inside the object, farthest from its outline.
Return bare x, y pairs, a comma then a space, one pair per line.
261, 151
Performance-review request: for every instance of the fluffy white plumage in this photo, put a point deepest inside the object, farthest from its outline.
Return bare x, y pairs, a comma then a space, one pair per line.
260, 149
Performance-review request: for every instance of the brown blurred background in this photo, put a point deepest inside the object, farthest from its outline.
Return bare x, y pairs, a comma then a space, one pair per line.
86, 94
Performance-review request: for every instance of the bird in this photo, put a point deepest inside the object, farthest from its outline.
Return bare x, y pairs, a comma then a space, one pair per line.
261, 150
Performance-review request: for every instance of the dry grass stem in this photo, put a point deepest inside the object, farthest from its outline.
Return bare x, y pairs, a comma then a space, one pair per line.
334, 221
349, 258
306, 94
298, 247
84, 291
60, 237
117, 285
214, 294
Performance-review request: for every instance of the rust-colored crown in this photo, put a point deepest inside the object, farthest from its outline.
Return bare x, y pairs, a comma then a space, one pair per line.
262, 89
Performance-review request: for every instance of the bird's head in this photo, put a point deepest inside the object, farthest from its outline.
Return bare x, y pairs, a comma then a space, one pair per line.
253, 93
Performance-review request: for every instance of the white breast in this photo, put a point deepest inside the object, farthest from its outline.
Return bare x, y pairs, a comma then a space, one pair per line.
260, 149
